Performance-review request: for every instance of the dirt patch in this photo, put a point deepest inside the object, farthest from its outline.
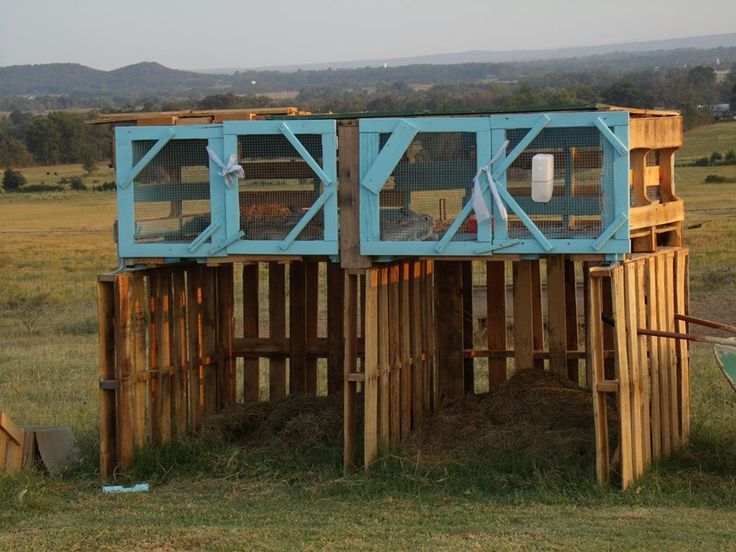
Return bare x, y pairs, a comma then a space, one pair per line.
535, 413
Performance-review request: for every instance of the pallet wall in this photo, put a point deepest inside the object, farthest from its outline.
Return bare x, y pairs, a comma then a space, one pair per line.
165, 356
649, 378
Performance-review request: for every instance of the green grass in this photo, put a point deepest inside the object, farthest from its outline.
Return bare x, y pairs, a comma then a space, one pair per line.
212, 495
52, 174
701, 142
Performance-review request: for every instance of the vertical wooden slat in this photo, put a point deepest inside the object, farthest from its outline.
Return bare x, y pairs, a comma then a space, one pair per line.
209, 339
467, 295
297, 328
106, 362
537, 320
141, 426
335, 321
682, 346
225, 334
394, 337
194, 316
450, 341
671, 344
311, 312
644, 367
631, 299
251, 366
571, 310
154, 373
589, 377
523, 304
371, 383
594, 347
664, 359
350, 365
622, 374
416, 324
608, 334
277, 327
557, 314
383, 357
655, 416
163, 341
405, 350
496, 319
179, 351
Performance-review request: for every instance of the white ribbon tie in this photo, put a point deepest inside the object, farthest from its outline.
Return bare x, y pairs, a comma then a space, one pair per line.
230, 171
479, 205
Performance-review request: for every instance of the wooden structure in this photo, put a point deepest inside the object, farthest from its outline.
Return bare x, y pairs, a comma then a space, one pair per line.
395, 331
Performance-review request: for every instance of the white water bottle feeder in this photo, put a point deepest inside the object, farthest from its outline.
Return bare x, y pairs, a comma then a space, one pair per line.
543, 170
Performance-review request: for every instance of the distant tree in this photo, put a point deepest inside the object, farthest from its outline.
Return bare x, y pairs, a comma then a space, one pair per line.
715, 157
88, 160
626, 93
76, 183
13, 152
730, 157
13, 180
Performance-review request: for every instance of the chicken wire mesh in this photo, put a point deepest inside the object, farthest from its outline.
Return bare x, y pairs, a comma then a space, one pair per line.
583, 168
171, 195
429, 187
279, 187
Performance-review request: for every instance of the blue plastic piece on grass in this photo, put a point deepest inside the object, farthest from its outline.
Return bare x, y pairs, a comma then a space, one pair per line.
139, 488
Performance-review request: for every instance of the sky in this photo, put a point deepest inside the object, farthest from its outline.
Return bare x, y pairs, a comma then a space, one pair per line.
201, 34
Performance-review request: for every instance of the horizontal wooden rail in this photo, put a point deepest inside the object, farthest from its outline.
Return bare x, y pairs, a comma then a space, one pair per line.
707, 323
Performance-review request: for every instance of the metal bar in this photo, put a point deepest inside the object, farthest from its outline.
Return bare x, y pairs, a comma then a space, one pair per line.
707, 323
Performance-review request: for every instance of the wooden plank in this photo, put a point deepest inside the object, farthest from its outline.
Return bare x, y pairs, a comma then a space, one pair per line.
644, 373
371, 365
586, 310
152, 375
467, 297
416, 327
638, 177
179, 351
557, 314
394, 337
311, 310
405, 350
162, 289
335, 323
194, 316
125, 442
350, 363
682, 346
106, 363
655, 415
674, 390
297, 328
383, 358
595, 351
656, 214
226, 375
496, 319
537, 320
631, 300
251, 366
571, 319
209, 338
664, 358
277, 327
523, 304
450, 341
622, 374
348, 196
141, 427
655, 132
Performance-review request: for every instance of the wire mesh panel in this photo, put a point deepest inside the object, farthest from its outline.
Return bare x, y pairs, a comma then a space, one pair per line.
279, 187
582, 160
171, 194
428, 187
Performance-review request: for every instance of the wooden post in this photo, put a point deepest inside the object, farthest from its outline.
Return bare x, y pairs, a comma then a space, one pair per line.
370, 386
348, 198
523, 316
416, 326
537, 320
141, 426
350, 366
194, 315
571, 319
336, 310
681, 260
162, 288
179, 351
631, 300
251, 366
383, 358
450, 342
405, 350
225, 330
467, 294
557, 314
108, 382
496, 320
622, 375
277, 327
311, 312
209, 339
394, 362
655, 416
595, 350
297, 328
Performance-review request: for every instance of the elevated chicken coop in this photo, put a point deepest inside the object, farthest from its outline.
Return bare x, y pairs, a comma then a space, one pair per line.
365, 252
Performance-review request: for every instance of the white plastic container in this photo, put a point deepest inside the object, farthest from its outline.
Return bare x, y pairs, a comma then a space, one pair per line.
543, 174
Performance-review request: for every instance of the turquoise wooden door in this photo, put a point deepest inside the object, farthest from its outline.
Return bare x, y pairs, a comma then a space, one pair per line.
418, 180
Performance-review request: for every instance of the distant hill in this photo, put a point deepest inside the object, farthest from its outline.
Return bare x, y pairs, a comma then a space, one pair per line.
505, 56
76, 79
153, 79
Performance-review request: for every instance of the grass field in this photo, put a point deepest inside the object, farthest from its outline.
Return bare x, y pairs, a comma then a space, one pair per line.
52, 174
217, 496
703, 141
